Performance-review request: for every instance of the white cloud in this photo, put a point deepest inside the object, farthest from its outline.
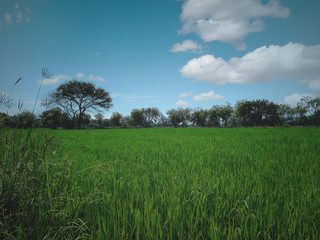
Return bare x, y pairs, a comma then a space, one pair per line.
265, 64
8, 18
228, 20
116, 94
55, 79
183, 95
80, 75
187, 45
65, 77
98, 53
314, 85
28, 13
182, 103
207, 96
90, 77
19, 17
16, 15
132, 97
95, 78
293, 99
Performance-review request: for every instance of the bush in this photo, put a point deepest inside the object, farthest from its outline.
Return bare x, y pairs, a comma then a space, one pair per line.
25, 119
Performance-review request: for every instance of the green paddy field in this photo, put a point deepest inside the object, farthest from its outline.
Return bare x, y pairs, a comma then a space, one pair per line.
161, 183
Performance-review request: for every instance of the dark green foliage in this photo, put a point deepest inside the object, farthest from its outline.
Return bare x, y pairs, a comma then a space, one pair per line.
77, 98
225, 113
179, 117
145, 117
32, 177
138, 117
309, 111
213, 117
151, 116
25, 119
257, 113
115, 119
220, 114
199, 117
6, 121
99, 120
55, 118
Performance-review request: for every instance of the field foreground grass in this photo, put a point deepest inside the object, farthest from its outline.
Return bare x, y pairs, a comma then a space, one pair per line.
194, 183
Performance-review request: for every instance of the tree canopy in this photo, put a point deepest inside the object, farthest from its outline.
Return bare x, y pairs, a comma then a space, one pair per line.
257, 113
77, 98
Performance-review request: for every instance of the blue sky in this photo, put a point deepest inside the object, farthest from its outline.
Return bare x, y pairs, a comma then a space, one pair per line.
163, 53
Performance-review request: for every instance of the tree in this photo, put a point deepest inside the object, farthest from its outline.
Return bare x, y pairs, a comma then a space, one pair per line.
225, 113
185, 116
6, 121
151, 116
180, 116
25, 119
285, 114
86, 120
199, 117
163, 121
53, 118
173, 117
309, 109
314, 105
115, 119
213, 117
99, 119
127, 121
138, 117
77, 98
257, 113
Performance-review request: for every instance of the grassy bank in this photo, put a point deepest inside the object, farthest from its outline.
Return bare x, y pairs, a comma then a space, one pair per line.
170, 184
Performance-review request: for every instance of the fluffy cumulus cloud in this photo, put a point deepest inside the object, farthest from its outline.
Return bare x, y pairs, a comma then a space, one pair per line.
91, 77
187, 46
182, 103
132, 96
228, 20
265, 64
184, 95
80, 75
65, 77
95, 78
313, 84
207, 96
16, 15
8, 18
55, 79
293, 99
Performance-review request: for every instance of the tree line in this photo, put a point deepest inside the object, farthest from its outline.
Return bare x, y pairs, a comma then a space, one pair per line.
70, 105
244, 114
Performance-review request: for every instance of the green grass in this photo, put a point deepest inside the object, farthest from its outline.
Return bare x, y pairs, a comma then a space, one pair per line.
197, 183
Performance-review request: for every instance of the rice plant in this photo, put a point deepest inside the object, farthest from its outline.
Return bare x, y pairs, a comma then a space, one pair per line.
192, 183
